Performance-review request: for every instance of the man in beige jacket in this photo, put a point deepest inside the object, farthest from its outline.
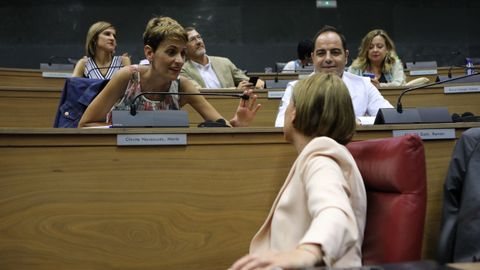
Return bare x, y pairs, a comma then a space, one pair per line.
212, 71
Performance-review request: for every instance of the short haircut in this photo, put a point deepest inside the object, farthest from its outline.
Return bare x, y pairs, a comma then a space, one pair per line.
92, 36
328, 28
323, 107
160, 29
304, 49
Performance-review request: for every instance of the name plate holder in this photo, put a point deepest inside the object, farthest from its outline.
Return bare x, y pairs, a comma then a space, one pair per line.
162, 118
275, 94
277, 84
461, 89
422, 68
51, 70
470, 84
151, 139
428, 134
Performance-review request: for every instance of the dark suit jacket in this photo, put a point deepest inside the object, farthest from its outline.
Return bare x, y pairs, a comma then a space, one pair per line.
460, 234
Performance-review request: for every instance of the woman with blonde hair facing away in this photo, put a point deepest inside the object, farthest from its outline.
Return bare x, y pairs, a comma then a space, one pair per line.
378, 60
318, 217
164, 47
100, 45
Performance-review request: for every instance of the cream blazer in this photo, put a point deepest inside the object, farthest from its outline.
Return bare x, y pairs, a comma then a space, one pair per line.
227, 73
323, 201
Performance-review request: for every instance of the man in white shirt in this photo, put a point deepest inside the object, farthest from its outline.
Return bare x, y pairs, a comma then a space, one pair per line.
330, 55
212, 71
304, 53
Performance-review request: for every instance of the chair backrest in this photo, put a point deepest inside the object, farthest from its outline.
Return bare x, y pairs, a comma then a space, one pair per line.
76, 96
394, 173
279, 66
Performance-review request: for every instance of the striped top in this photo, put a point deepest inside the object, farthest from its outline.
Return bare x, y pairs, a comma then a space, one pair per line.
92, 71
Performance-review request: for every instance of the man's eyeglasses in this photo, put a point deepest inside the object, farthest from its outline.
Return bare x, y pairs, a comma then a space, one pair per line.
194, 38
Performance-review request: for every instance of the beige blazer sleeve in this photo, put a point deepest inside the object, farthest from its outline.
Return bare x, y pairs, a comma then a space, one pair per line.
227, 73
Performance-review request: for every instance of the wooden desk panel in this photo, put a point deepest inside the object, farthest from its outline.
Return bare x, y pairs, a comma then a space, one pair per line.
37, 107
73, 199
435, 97
28, 78
442, 71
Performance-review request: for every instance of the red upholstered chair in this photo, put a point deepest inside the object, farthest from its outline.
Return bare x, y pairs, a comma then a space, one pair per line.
394, 173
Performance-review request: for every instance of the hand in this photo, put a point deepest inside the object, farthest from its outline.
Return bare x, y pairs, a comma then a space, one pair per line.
245, 85
246, 110
375, 82
294, 259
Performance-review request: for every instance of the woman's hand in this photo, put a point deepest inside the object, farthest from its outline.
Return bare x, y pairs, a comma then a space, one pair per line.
375, 82
246, 110
297, 258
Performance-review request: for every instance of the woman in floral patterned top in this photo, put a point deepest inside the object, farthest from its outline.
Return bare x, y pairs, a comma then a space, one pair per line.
164, 46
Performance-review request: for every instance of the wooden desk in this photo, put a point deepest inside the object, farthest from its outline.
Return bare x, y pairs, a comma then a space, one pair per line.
29, 100
72, 199
443, 71
28, 78
434, 96
273, 76
36, 107
465, 266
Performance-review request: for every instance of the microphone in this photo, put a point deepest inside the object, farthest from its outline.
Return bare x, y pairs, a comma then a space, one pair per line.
159, 118
99, 68
276, 73
69, 60
133, 107
426, 115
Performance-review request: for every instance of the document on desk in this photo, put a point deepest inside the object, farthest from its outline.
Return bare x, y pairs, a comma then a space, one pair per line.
366, 120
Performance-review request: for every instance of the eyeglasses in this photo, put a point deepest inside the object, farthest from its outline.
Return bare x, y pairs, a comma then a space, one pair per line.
194, 38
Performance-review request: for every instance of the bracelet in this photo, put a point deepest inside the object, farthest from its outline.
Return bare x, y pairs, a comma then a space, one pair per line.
318, 256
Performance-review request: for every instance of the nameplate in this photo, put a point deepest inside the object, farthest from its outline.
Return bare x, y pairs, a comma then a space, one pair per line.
49, 74
423, 72
151, 139
428, 134
461, 89
275, 94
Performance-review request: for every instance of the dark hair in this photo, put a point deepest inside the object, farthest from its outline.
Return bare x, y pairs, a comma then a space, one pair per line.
328, 28
304, 49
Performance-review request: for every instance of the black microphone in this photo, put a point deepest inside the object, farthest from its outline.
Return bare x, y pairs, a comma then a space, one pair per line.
69, 60
399, 102
276, 73
133, 107
99, 68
